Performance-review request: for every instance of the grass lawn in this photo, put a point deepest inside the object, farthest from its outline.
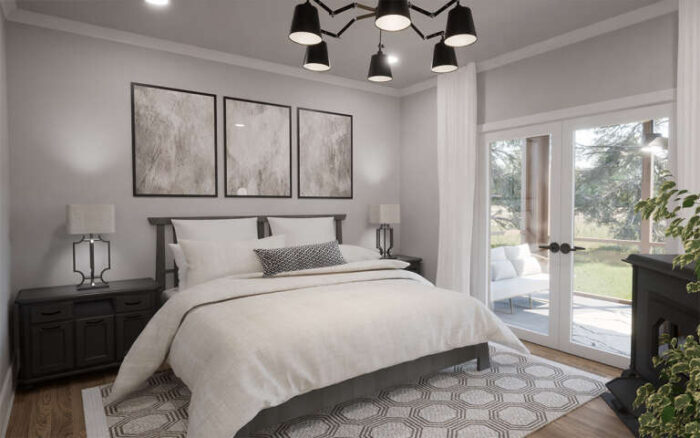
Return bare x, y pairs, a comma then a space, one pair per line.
600, 270
601, 278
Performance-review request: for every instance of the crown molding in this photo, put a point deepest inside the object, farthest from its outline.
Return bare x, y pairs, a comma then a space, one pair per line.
8, 7
612, 24
23, 16
418, 87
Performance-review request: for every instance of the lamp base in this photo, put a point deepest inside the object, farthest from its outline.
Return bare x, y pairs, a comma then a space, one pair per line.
90, 286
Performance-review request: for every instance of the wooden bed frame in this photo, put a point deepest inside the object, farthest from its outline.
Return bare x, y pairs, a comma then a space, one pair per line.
360, 386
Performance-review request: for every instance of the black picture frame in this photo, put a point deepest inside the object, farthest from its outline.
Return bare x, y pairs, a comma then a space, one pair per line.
291, 184
352, 155
133, 144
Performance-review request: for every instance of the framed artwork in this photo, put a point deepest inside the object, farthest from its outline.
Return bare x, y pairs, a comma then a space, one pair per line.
258, 149
173, 142
324, 154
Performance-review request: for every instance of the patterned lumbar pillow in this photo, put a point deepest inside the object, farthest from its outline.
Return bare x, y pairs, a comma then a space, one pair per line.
297, 258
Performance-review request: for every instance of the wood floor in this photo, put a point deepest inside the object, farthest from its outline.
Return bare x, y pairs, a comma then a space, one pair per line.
56, 410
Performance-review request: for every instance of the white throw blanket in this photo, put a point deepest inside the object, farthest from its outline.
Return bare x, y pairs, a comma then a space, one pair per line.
243, 345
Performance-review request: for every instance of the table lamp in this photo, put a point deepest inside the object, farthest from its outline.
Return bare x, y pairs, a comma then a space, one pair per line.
90, 221
385, 215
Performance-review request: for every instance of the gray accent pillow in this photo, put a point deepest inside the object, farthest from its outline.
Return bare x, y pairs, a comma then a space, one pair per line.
297, 258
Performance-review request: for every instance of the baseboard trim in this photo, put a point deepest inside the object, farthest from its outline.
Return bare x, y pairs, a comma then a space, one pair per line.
7, 397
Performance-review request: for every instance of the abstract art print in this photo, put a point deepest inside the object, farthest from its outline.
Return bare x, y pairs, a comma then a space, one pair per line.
258, 149
173, 141
324, 142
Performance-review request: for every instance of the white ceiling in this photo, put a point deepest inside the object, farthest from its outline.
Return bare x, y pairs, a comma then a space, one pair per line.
259, 28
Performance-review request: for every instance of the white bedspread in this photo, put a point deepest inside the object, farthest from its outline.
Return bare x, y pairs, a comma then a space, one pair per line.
243, 345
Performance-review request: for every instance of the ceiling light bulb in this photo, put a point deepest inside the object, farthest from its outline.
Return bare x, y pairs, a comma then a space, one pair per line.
393, 59
158, 2
392, 15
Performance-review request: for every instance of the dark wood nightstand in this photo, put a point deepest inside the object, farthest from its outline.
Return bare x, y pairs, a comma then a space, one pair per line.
61, 331
415, 263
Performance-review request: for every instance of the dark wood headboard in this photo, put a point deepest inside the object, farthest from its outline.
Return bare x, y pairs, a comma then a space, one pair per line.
263, 230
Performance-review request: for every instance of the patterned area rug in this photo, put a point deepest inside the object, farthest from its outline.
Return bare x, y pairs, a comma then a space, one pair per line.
516, 396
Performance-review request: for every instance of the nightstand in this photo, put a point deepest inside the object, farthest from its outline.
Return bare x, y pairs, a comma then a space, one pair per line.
61, 331
415, 264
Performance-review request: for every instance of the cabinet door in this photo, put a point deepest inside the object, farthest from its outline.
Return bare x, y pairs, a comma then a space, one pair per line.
52, 347
129, 327
94, 341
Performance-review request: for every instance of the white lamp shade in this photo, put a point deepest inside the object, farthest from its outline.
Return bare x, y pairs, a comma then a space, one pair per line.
385, 214
90, 219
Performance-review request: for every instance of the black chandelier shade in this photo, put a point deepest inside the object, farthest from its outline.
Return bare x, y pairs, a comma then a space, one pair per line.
316, 58
444, 58
460, 30
379, 68
306, 26
392, 15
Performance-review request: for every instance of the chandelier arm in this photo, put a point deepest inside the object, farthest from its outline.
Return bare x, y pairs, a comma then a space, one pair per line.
344, 28
436, 12
426, 37
342, 9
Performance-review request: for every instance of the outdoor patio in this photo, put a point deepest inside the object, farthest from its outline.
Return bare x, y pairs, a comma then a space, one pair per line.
601, 324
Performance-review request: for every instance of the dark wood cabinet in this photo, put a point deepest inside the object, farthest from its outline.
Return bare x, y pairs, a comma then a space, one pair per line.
60, 331
415, 264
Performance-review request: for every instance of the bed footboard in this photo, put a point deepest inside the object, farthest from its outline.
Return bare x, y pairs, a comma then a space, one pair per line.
366, 385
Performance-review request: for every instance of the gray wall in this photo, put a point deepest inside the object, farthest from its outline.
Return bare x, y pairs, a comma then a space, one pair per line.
5, 290
634, 60
419, 182
71, 142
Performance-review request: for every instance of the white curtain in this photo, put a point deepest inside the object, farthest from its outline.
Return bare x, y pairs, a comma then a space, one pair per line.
688, 97
457, 175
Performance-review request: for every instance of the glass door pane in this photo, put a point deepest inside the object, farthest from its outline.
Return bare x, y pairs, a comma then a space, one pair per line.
614, 167
519, 195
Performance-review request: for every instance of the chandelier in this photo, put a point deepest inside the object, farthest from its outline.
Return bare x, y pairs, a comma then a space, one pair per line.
389, 16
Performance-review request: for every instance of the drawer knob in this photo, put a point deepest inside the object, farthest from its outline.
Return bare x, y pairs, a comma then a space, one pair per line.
132, 303
56, 312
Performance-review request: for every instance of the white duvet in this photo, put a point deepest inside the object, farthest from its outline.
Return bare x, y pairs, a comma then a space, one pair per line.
243, 345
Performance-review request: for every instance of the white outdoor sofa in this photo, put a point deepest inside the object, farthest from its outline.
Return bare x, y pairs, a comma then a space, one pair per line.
515, 272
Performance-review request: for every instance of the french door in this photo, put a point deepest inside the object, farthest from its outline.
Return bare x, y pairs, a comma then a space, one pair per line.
561, 219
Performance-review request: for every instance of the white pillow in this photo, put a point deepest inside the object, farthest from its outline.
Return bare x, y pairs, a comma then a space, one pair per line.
517, 252
502, 270
498, 253
527, 266
210, 260
353, 253
216, 229
303, 231
181, 262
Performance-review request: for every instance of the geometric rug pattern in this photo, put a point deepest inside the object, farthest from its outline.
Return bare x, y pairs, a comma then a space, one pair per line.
516, 396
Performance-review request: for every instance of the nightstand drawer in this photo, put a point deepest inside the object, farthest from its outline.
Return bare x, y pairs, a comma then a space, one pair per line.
51, 312
133, 302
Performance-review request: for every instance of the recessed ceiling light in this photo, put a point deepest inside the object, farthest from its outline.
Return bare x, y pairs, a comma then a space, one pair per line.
158, 2
240, 125
393, 59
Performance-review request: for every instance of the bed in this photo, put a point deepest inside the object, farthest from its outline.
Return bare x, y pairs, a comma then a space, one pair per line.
257, 351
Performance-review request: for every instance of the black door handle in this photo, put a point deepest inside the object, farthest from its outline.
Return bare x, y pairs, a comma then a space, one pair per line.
566, 248
552, 247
